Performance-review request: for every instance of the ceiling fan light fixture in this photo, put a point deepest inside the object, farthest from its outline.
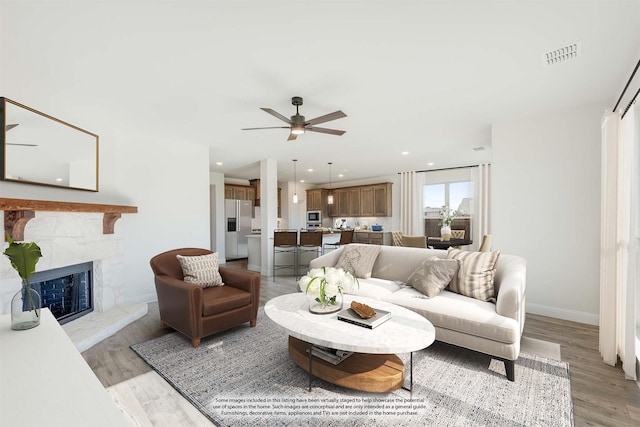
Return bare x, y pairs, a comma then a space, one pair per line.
297, 129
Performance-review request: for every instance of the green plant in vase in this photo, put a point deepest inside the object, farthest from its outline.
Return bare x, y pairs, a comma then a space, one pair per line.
25, 305
446, 218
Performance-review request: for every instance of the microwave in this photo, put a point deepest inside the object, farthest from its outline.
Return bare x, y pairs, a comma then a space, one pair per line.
314, 217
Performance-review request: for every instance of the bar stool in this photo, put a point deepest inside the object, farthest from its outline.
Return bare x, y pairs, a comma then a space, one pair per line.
285, 242
346, 237
310, 241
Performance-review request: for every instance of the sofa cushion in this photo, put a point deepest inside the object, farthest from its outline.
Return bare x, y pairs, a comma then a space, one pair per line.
358, 259
375, 288
477, 270
459, 313
433, 275
201, 270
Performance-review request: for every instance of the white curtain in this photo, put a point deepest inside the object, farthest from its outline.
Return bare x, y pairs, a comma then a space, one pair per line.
481, 205
411, 209
618, 239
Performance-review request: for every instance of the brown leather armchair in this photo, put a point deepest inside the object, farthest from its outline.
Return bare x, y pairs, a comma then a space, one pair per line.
199, 312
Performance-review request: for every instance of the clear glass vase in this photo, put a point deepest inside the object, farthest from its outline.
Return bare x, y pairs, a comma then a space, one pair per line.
326, 306
25, 308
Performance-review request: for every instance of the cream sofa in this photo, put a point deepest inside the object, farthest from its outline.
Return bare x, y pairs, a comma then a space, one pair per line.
491, 328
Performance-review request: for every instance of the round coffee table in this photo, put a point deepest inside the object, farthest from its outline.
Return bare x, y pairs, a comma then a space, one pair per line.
374, 366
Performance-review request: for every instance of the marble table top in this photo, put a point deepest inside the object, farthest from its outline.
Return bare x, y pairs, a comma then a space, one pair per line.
405, 332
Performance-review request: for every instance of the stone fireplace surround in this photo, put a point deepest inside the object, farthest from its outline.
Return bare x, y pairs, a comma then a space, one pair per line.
74, 234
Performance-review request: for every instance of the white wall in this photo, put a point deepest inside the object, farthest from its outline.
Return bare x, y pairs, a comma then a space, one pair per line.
169, 182
546, 207
168, 179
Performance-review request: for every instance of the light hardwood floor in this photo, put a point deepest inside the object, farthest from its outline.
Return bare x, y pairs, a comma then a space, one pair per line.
601, 396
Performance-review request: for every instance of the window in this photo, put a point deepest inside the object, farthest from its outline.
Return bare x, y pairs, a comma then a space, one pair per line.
456, 195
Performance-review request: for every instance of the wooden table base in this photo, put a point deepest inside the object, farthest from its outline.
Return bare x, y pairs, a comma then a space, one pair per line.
360, 371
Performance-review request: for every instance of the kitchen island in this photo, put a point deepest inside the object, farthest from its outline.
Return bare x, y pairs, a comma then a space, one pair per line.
254, 261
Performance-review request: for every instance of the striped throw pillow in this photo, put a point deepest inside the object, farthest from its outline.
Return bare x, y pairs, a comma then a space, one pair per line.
475, 278
201, 270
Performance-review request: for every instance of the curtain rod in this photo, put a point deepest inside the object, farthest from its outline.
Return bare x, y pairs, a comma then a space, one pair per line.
446, 169
626, 87
630, 104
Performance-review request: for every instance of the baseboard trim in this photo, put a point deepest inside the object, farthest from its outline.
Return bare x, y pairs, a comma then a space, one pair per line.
143, 299
564, 314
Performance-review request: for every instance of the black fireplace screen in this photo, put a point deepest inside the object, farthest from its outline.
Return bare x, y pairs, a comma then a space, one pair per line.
66, 291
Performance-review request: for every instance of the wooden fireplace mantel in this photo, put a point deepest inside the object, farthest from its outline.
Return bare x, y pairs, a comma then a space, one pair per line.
17, 212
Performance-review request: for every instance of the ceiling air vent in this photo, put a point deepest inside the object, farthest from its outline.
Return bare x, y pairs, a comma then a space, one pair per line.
563, 54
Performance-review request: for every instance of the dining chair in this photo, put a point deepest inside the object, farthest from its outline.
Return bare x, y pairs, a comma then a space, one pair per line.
285, 244
414, 241
457, 234
396, 238
485, 245
310, 241
346, 237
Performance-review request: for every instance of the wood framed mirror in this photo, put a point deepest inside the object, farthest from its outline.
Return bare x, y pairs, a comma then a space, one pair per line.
40, 149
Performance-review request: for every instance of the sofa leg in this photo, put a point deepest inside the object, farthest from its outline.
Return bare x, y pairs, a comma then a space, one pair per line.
253, 323
509, 367
195, 342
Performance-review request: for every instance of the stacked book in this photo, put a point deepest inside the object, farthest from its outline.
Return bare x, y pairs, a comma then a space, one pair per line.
350, 316
330, 355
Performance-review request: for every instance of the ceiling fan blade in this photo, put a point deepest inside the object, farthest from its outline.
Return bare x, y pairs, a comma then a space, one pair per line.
326, 118
9, 127
276, 114
270, 127
325, 130
22, 145
292, 137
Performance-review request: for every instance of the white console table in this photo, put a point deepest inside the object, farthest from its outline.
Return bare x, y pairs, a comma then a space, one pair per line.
44, 381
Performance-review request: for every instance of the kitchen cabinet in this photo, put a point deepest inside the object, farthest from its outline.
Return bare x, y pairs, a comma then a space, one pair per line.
382, 199
341, 199
348, 202
366, 201
354, 202
317, 200
239, 192
373, 237
255, 184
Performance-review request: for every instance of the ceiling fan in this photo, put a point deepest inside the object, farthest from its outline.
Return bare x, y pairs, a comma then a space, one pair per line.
11, 126
299, 125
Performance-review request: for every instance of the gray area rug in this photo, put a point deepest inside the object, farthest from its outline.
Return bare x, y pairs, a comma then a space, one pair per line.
245, 377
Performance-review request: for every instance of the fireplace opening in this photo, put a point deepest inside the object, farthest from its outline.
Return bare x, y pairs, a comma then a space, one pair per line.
66, 291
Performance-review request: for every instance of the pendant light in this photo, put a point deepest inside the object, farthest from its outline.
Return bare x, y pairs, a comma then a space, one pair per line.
295, 183
330, 197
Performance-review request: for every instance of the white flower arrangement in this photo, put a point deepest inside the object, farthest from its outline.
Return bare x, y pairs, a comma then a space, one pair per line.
447, 215
326, 283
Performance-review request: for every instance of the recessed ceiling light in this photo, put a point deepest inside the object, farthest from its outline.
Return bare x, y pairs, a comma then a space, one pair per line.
59, 179
404, 153
309, 170
340, 175
302, 180
219, 163
430, 164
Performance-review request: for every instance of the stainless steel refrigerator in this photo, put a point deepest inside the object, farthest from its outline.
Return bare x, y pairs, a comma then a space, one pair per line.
238, 222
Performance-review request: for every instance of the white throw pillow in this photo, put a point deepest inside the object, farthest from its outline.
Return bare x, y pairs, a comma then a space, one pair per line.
358, 259
201, 270
433, 275
477, 270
